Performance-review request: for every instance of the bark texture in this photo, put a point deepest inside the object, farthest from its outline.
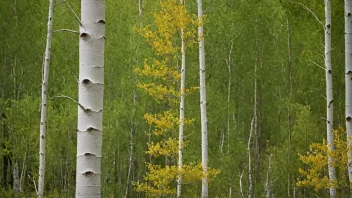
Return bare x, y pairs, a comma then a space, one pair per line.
45, 77
203, 101
329, 94
348, 82
91, 90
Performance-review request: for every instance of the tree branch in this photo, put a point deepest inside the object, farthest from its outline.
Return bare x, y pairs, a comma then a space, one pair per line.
63, 96
309, 10
317, 65
66, 30
74, 13
35, 185
73, 74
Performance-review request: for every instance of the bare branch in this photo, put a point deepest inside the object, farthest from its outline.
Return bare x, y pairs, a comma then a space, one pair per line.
73, 74
309, 10
58, 3
35, 185
74, 13
66, 30
317, 65
63, 96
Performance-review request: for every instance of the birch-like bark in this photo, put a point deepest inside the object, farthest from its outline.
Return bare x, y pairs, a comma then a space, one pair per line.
203, 101
348, 83
267, 181
16, 178
228, 61
250, 187
45, 77
91, 90
329, 95
289, 118
130, 164
182, 111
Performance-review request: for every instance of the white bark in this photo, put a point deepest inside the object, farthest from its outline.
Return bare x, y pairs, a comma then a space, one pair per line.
250, 187
348, 82
203, 102
91, 90
182, 112
329, 94
228, 61
46, 63
130, 164
241, 187
267, 181
16, 178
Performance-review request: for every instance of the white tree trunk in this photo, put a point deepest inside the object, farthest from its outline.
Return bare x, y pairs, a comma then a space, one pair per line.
45, 77
16, 178
182, 112
348, 82
91, 90
329, 94
267, 181
250, 187
203, 101
130, 164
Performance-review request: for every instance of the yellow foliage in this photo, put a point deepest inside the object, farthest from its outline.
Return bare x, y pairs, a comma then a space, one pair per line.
158, 69
159, 179
317, 163
166, 148
160, 92
168, 23
165, 122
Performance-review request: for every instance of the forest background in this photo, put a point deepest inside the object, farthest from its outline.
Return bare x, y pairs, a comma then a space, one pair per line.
278, 44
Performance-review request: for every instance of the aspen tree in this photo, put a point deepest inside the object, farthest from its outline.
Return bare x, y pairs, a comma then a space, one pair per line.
203, 101
91, 90
42, 138
329, 95
348, 82
182, 108
172, 20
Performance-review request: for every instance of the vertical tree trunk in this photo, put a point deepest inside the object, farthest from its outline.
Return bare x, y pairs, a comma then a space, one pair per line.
228, 61
91, 90
130, 164
182, 111
45, 78
348, 82
16, 178
203, 102
250, 187
289, 118
267, 181
329, 95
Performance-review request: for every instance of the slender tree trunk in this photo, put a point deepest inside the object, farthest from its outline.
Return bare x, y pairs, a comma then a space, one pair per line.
329, 95
228, 61
130, 164
267, 181
250, 187
16, 178
289, 117
182, 111
203, 101
348, 82
45, 77
91, 90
